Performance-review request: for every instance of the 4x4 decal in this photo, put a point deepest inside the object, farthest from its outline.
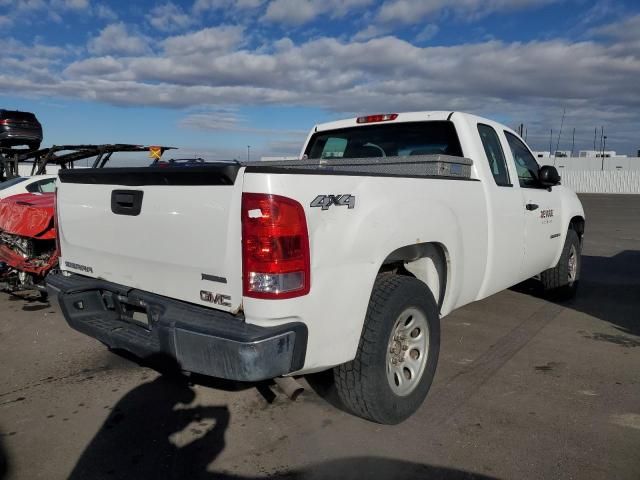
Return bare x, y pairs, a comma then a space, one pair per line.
325, 201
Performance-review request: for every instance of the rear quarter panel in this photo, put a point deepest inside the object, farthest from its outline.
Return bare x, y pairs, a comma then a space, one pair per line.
348, 246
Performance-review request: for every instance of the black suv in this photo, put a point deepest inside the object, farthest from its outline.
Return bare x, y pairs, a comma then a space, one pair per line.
19, 128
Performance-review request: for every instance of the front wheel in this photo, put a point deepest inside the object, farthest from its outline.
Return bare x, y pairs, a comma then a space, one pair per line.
397, 354
561, 282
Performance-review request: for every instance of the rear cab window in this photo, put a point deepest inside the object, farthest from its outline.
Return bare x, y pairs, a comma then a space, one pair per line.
386, 140
495, 155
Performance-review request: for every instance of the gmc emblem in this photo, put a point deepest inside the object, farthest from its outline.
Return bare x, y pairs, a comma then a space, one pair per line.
217, 298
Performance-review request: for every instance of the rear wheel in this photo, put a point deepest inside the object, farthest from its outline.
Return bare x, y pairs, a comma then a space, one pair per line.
561, 282
397, 354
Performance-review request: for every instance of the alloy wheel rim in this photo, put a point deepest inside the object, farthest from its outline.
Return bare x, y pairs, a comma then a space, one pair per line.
407, 351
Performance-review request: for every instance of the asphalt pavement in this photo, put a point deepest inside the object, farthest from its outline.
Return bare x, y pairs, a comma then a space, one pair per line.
525, 389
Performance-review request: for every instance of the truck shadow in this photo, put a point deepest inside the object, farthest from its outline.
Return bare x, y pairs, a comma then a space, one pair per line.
155, 431
146, 435
609, 290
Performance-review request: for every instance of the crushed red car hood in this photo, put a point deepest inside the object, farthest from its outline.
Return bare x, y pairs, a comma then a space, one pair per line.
29, 215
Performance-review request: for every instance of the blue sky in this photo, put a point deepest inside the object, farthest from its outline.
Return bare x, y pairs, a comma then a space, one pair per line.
213, 76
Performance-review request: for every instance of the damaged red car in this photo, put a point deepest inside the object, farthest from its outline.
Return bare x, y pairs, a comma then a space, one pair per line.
27, 240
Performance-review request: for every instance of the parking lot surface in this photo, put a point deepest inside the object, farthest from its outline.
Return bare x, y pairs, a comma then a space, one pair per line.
525, 388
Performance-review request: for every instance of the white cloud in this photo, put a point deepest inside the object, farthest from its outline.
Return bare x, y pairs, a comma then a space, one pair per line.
66, 5
169, 17
105, 12
73, 4
371, 31
217, 39
295, 12
115, 38
427, 33
413, 11
202, 5
298, 12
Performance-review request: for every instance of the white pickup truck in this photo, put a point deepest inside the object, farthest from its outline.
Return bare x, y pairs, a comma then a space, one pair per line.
344, 259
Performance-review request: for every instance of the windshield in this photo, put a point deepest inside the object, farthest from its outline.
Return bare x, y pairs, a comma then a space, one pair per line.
388, 140
12, 182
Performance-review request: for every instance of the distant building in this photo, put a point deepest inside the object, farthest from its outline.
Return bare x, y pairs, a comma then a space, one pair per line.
562, 153
598, 154
542, 154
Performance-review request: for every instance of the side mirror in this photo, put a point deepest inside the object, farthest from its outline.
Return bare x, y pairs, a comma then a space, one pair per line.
548, 176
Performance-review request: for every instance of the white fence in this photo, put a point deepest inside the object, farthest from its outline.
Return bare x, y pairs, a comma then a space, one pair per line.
564, 164
598, 175
616, 181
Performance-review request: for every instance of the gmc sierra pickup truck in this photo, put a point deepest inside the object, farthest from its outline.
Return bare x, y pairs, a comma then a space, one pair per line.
346, 259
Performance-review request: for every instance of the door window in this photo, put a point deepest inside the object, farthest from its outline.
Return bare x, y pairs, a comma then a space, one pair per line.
495, 155
526, 165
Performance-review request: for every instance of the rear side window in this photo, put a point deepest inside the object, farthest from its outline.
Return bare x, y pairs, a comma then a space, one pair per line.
495, 155
526, 165
388, 140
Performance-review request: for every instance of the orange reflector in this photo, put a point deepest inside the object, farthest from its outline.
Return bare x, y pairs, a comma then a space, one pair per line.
155, 152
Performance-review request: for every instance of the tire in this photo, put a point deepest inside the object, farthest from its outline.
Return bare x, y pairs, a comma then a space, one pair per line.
561, 282
364, 384
34, 146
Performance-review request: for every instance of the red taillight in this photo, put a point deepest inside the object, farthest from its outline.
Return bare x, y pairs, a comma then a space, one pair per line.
275, 247
5, 122
383, 117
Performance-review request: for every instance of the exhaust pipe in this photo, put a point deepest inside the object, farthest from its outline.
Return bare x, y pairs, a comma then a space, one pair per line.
289, 386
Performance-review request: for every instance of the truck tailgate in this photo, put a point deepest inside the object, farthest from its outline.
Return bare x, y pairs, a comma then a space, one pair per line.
171, 231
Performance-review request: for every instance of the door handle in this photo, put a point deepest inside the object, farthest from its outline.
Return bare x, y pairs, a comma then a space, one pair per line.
531, 206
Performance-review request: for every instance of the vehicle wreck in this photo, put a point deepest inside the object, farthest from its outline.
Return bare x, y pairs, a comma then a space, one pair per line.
27, 240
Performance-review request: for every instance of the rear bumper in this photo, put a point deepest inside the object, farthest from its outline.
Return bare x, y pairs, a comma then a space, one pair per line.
202, 340
21, 135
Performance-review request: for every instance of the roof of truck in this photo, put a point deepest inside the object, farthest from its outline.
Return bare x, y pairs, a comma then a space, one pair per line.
401, 117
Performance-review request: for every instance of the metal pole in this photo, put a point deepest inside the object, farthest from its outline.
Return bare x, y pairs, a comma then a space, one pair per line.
248, 153
573, 141
564, 111
604, 145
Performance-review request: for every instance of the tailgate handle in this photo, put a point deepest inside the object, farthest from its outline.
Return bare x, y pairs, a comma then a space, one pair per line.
126, 202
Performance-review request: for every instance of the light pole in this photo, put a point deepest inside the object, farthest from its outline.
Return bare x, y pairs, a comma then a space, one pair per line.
248, 152
604, 146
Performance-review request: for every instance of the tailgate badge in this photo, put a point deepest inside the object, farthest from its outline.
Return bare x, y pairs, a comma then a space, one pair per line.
77, 266
217, 298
